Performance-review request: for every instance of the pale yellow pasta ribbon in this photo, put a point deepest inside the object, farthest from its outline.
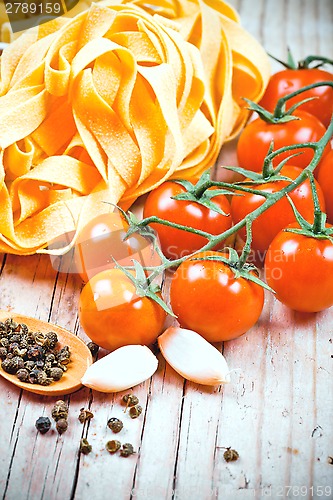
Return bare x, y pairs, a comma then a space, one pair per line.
103, 107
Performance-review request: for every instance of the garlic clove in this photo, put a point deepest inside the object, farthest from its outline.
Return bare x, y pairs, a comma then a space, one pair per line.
193, 357
121, 369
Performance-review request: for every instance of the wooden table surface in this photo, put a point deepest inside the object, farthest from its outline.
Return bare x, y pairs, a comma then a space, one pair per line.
277, 412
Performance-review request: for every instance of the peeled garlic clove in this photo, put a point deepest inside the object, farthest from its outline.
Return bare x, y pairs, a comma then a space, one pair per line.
193, 357
121, 369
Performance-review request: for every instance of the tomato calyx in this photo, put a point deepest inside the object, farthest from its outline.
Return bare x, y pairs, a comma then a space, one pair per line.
143, 285
303, 63
269, 172
318, 229
239, 268
280, 114
200, 192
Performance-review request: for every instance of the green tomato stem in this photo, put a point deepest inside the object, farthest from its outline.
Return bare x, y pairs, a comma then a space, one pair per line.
156, 220
319, 220
280, 106
214, 240
247, 247
304, 63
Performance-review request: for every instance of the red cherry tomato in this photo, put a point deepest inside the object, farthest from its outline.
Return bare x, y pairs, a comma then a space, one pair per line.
277, 217
103, 239
254, 141
113, 315
325, 179
176, 243
300, 269
286, 81
209, 299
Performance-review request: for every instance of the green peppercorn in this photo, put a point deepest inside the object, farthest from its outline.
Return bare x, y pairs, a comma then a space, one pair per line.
22, 349
11, 324
85, 447
113, 446
15, 338
43, 379
56, 373
39, 338
230, 455
4, 342
60, 410
115, 424
29, 365
130, 400
23, 329
127, 450
85, 415
51, 340
135, 411
50, 358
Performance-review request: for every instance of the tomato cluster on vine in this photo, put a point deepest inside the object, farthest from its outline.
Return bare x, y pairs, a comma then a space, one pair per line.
205, 232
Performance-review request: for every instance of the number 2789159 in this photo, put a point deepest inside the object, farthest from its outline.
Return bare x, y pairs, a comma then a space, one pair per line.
33, 8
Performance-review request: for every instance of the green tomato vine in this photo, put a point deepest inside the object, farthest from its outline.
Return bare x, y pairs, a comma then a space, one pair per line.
200, 194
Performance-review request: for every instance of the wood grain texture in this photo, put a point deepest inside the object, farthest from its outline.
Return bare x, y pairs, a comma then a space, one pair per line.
277, 411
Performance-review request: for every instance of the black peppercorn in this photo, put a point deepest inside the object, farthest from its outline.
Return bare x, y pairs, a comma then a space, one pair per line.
35, 353
93, 348
15, 338
13, 346
33, 376
9, 366
22, 374
62, 425
43, 424
3, 352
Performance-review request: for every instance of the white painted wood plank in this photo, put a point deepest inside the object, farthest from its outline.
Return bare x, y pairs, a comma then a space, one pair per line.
280, 394
40, 464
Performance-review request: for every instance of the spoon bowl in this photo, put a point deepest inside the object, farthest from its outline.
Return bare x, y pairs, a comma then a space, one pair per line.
81, 358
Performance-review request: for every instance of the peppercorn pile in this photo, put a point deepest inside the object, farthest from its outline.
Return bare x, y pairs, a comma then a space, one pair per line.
32, 356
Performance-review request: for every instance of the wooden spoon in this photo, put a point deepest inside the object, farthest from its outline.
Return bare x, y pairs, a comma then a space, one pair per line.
81, 358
